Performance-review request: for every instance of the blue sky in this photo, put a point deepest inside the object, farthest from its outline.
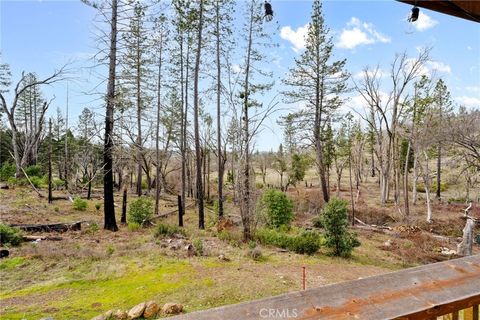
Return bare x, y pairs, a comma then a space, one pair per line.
40, 36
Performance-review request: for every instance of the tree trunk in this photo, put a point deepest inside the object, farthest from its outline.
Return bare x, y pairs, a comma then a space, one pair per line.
464, 248
89, 190
426, 181
201, 218
414, 180
109, 208
66, 145
50, 161
157, 131
351, 186
183, 115
180, 211
124, 205
220, 163
439, 169
405, 181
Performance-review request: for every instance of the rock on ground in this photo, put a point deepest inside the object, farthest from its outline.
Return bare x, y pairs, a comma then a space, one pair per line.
172, 308
120, 315
151, 310
137, 311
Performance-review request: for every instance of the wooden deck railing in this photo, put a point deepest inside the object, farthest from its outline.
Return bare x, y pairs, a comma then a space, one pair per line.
445, 290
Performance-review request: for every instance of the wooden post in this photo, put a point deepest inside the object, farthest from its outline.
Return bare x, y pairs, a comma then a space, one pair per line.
50, 161
180, 211
303, 277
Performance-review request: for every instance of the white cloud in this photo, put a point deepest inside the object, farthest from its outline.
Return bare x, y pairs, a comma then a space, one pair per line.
469, 48
236, 68
357, 33
473, 88
424, 22
295, 37
439, 66
469, 102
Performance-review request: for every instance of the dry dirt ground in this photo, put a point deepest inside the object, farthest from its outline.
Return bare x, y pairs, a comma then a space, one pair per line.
92, 270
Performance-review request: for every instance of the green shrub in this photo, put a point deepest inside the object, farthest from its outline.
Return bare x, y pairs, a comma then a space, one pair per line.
433, 187
259, 185
110, 250
57, 183
7, 171
318, 222
166, 230
278, 208
98, 206
477, 238
335, 223
79, 204
9, 235
34, 171
140, 210
56, 209
252, 244
133, 226
92, 228
230, 177
37, 181
306, 242
198, 245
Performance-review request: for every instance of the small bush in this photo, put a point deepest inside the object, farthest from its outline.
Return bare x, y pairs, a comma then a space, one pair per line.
34, 171
7, 171
57, 183
98, 206
56, 209
166, 230
9, 235
278, 208
92, 228
307, 242
477, 238
318, 222
433, 187
110, 250
252, 244
336, 234
79, 204
259, 185
140, 210
133, 226
234, 239
198, 245
37, 181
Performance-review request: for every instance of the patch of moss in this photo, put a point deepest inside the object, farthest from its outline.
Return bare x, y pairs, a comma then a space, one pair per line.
11, 263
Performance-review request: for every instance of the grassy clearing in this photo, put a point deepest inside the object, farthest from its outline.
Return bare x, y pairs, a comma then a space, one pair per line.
93, 270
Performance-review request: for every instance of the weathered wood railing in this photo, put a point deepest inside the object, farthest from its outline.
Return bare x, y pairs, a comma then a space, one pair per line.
444, 290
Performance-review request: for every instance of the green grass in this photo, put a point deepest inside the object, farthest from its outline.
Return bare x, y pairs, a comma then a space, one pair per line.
11, 263
86, 298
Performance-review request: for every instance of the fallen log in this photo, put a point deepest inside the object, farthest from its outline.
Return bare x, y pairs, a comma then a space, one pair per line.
54, 227
38, 238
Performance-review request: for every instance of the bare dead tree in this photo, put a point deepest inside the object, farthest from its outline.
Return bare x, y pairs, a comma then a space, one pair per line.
22, 152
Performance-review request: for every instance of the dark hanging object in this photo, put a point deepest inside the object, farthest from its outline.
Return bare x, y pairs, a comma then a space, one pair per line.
268, 11
414, 15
